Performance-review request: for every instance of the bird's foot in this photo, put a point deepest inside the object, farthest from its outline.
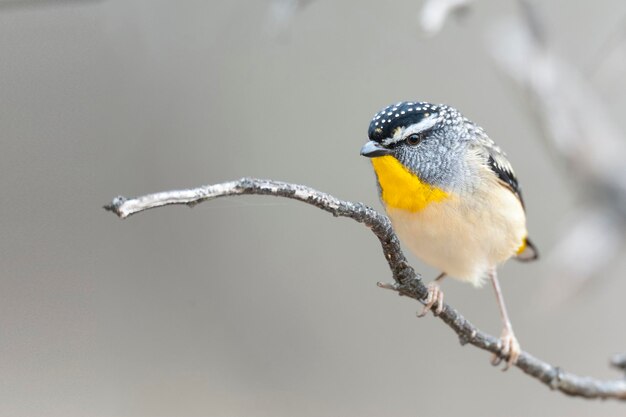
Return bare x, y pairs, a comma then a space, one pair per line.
509, 349
434, 298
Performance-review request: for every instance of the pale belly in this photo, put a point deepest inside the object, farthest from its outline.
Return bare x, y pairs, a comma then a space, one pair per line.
464, 240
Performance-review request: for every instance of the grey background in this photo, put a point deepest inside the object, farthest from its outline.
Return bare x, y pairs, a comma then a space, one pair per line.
256, 306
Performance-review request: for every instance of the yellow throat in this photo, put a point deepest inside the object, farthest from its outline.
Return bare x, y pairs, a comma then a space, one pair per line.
401, 189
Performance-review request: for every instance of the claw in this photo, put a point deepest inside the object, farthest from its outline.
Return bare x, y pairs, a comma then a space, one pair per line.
434, 298
509, 349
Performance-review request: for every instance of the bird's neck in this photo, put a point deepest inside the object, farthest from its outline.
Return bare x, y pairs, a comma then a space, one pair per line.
401, 189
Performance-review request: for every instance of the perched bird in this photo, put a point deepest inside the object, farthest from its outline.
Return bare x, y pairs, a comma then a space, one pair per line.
452, 197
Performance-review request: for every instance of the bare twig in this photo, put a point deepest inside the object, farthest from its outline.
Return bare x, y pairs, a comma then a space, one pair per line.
407, 282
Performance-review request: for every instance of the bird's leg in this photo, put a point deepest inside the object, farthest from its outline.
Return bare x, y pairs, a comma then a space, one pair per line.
510, 348
434, 298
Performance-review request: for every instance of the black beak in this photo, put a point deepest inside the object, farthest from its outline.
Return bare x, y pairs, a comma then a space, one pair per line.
373, 149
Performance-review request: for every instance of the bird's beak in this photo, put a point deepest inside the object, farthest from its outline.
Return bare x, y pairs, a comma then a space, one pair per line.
373, 149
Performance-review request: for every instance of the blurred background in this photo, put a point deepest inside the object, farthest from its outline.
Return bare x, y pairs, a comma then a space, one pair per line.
256, 306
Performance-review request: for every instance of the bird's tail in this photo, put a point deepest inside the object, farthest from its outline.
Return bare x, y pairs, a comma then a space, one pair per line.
527, 252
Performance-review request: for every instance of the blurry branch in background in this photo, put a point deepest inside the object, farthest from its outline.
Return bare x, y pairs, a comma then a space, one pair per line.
282, 14
581, 135
434, 13
614, 41
432, 16
406, 281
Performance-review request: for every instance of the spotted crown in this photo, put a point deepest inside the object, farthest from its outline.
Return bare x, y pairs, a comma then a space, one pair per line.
406, 113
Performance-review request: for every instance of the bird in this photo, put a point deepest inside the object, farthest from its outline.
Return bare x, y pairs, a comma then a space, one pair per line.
453, 199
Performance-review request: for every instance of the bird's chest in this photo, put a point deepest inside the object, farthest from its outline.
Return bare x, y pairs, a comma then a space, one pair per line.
462, 235
463, 238
443, 236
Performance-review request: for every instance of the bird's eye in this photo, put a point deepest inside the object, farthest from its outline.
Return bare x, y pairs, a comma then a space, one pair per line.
414, 139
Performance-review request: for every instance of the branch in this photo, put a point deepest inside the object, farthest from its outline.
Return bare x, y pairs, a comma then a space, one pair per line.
407, 282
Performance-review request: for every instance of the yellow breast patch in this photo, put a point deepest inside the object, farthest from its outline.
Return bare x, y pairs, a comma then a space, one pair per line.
401, 189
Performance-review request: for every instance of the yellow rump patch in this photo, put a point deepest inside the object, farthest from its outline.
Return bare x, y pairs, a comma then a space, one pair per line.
522, 248
401, 189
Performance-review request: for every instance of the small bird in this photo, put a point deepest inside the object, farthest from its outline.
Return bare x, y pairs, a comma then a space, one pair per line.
452, 197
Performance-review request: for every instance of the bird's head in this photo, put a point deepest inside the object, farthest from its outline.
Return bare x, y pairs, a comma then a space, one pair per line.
430, 141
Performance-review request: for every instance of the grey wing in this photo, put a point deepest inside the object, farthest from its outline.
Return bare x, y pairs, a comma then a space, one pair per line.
500, 165
498, 162
502, 168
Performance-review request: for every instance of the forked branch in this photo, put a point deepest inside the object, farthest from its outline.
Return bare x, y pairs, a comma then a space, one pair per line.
406, 281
